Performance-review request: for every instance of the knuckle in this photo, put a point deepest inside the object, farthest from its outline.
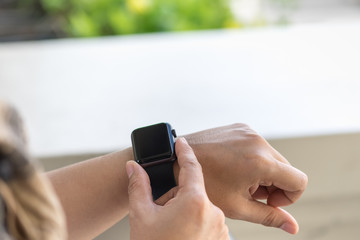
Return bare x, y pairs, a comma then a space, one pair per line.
199, 205
240, 125
269, 219
256, 161
244, 129
199, 200
255, 138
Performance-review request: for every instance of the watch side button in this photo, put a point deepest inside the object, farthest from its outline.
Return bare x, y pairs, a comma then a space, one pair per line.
174, 133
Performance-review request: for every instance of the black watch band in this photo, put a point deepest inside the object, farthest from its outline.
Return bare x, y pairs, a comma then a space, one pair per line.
162, 178
154, 150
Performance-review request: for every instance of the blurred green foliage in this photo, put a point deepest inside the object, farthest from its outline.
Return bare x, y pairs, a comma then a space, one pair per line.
87, 18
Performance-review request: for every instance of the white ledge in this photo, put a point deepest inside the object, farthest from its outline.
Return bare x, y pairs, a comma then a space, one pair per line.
87, 95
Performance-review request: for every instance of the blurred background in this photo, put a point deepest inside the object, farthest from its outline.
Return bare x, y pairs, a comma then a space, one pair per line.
49, 19
85, 73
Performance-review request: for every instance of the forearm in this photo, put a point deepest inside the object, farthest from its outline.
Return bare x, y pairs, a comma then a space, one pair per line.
93, 193
238, 165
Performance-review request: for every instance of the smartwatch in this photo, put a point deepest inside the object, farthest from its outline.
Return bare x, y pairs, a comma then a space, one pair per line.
154, 150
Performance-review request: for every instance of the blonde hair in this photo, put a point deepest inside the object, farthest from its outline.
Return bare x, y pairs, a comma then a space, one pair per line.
29, 208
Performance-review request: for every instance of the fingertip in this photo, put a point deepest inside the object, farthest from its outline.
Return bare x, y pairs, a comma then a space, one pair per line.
184, 151
290, 228
134, 170
130, 168
290, 225
181, 142
182, 139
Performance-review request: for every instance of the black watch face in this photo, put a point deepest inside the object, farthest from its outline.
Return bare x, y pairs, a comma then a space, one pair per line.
152, 143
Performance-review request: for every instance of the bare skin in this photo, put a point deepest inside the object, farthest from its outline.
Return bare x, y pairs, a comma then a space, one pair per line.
188, 214
238, 165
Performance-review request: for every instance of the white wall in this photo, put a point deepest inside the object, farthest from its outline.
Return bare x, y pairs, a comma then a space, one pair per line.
87, 95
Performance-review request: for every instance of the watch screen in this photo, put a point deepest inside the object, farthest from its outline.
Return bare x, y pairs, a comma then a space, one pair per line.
152, 143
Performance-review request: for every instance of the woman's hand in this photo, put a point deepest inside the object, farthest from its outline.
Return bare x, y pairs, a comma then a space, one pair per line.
185, 212
240, 167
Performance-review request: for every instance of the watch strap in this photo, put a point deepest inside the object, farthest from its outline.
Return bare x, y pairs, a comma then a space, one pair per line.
162, 178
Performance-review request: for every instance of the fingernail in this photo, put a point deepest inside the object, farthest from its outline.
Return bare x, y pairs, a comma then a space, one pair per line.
288, 227
129, 168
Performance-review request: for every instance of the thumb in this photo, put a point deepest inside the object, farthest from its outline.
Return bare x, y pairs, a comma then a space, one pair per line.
267, 215
139, 189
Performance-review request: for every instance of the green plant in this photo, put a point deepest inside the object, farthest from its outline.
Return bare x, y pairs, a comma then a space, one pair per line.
87, 18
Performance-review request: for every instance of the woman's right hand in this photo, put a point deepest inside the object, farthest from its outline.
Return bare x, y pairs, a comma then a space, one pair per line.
185, 213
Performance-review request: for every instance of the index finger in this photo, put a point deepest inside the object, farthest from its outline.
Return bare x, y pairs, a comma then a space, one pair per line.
290, 181
190, 175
